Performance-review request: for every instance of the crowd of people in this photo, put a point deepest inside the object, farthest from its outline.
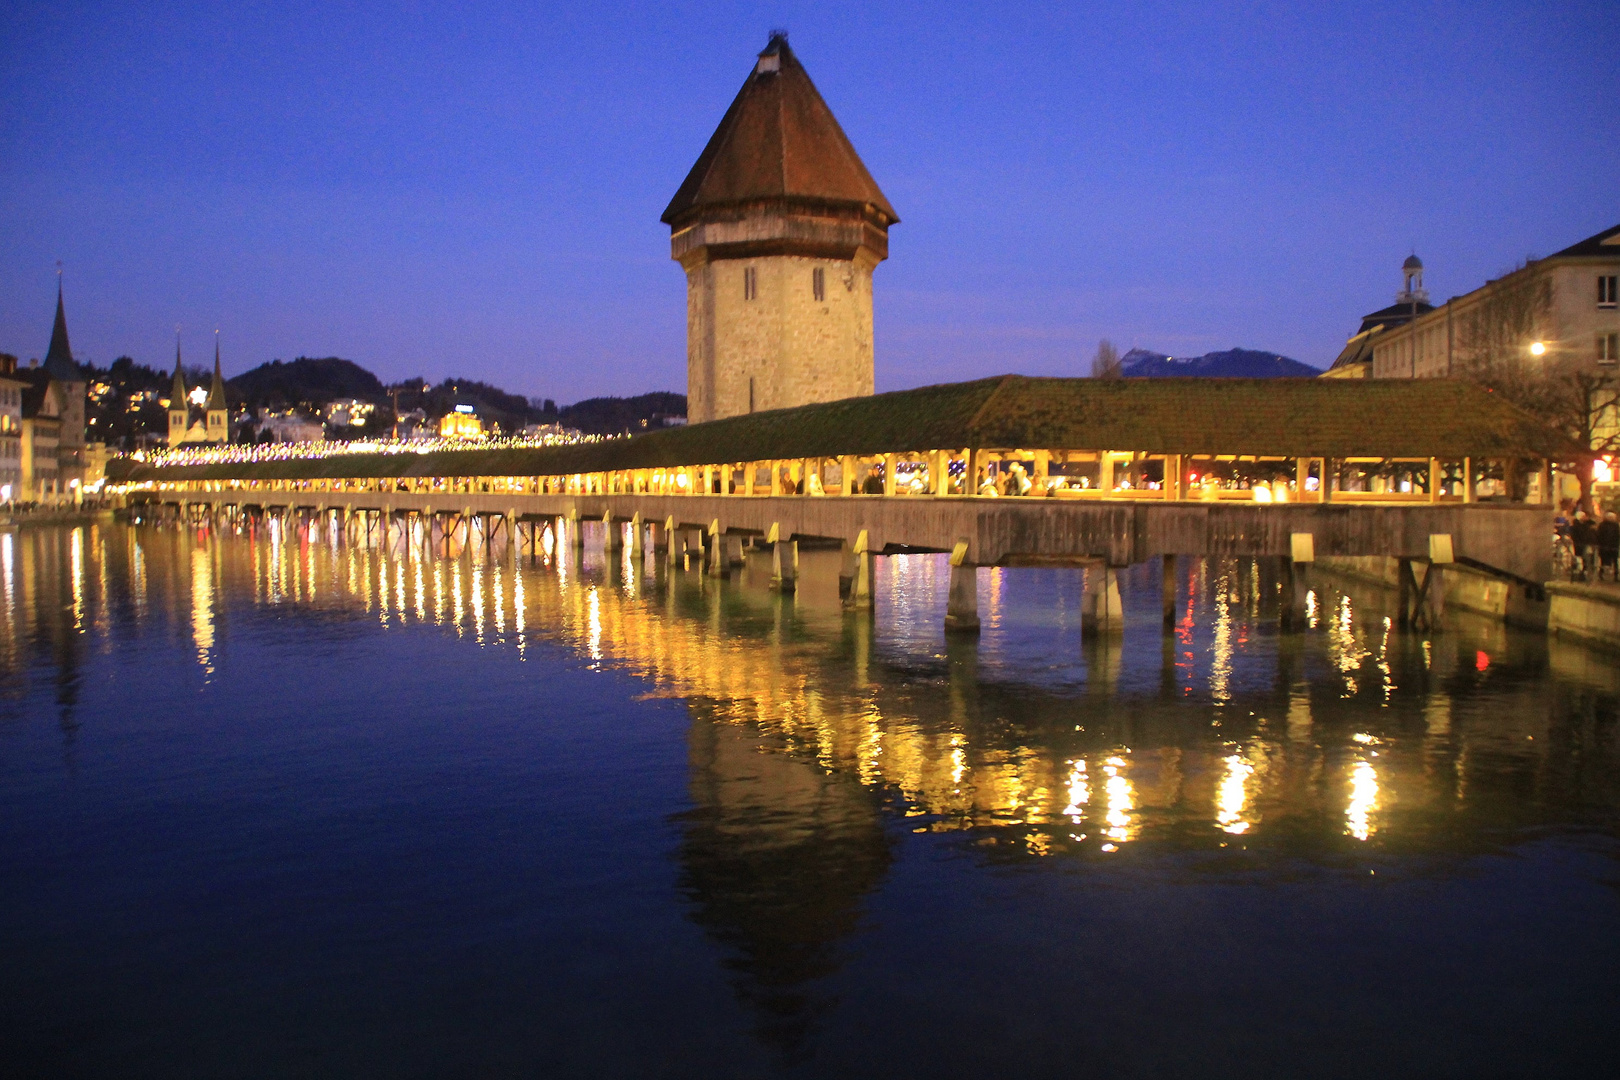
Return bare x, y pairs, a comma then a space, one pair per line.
1590, 543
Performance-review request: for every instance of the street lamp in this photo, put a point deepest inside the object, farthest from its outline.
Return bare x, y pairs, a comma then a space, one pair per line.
1537, 348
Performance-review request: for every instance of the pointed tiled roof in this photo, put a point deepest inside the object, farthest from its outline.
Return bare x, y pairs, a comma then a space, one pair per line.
778, 140
177, 396
216, 392
59, 357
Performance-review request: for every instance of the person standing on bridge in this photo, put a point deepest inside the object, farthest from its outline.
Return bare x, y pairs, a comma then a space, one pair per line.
1583, 534
1608, 545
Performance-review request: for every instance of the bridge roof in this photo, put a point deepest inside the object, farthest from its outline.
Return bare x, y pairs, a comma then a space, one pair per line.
1405, 418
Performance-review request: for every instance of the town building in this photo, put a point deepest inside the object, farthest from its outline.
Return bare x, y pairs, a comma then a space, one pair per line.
1355, 359
289, 427
1560, 308
778, 227
196, 418
52, 447
11, 395
461, 422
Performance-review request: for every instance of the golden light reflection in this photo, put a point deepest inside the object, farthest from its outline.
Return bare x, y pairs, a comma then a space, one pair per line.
1344, 648
76, 557
1232, 795
475, 597
1121, 800
202, 609
1079, 792
593, 642
1363, 800
518, 604
1220, 666
455, 596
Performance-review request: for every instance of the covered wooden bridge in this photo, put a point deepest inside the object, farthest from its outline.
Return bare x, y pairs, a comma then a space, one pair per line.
1004, 471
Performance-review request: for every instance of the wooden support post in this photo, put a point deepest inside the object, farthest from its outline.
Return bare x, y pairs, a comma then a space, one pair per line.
715, 552
776, 477
1324, 488
638, 538
962, 603
1296, 583
1302, 474
1105, 473
612, 534
1468, 480
888, 474
784, 559
1100, 609
1175, 481
1405, 592
846, 475
1436, 473
1168, 586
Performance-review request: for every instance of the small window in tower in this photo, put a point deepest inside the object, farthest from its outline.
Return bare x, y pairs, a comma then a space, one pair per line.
750, 284
1608, 348
750, 393
1606, 289
818, 284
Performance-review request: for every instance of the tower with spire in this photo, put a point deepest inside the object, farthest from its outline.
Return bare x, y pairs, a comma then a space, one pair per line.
179, 407
217, 413
778, 227
53, 422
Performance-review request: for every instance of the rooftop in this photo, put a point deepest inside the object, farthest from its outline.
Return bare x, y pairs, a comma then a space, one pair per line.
1252, 417
778, 140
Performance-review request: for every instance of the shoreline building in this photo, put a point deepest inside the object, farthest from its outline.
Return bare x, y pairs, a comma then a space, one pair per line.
778, 227
1565, 307
11, 397
52, 448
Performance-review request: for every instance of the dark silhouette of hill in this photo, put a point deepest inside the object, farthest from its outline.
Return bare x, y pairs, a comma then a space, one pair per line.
616, 416
310, 384
1233, 363
305, 383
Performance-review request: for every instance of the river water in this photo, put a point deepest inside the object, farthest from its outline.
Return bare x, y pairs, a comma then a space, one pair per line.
276, 805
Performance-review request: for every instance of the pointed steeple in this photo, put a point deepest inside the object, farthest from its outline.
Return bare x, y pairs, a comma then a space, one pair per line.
59, 363
778, 141
216, 392
177, 396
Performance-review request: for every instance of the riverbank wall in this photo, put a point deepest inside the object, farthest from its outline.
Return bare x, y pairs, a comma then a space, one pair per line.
1513, 602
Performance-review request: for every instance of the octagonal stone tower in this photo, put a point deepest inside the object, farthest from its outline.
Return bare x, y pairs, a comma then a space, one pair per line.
778, 227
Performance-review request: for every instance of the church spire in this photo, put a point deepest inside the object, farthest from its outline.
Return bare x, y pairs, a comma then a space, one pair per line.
216, 392
177, 397
59, 363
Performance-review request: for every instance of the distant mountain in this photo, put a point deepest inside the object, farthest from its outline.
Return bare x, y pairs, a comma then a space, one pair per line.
1233, 363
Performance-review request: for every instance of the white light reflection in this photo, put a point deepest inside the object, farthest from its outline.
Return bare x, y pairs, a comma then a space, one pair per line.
1079, 792
1363, 800
1121, 801
1232, 794
594, 603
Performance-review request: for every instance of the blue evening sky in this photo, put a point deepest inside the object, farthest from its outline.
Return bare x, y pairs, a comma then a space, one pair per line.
474, 189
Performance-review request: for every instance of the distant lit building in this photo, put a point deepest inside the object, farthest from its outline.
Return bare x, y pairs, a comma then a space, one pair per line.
349, 412
290, 427
462, 422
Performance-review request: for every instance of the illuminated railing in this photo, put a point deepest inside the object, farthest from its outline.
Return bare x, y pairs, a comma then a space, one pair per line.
253, 453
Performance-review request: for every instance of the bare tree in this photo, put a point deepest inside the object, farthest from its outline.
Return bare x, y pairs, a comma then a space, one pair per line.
1105, 365
1501, 344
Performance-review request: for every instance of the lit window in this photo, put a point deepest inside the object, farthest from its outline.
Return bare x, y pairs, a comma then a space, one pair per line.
750, 284
818, 284
1606, 289
1608, 348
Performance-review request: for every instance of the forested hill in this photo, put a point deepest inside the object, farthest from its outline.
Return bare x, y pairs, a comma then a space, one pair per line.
305, 383
311, 384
